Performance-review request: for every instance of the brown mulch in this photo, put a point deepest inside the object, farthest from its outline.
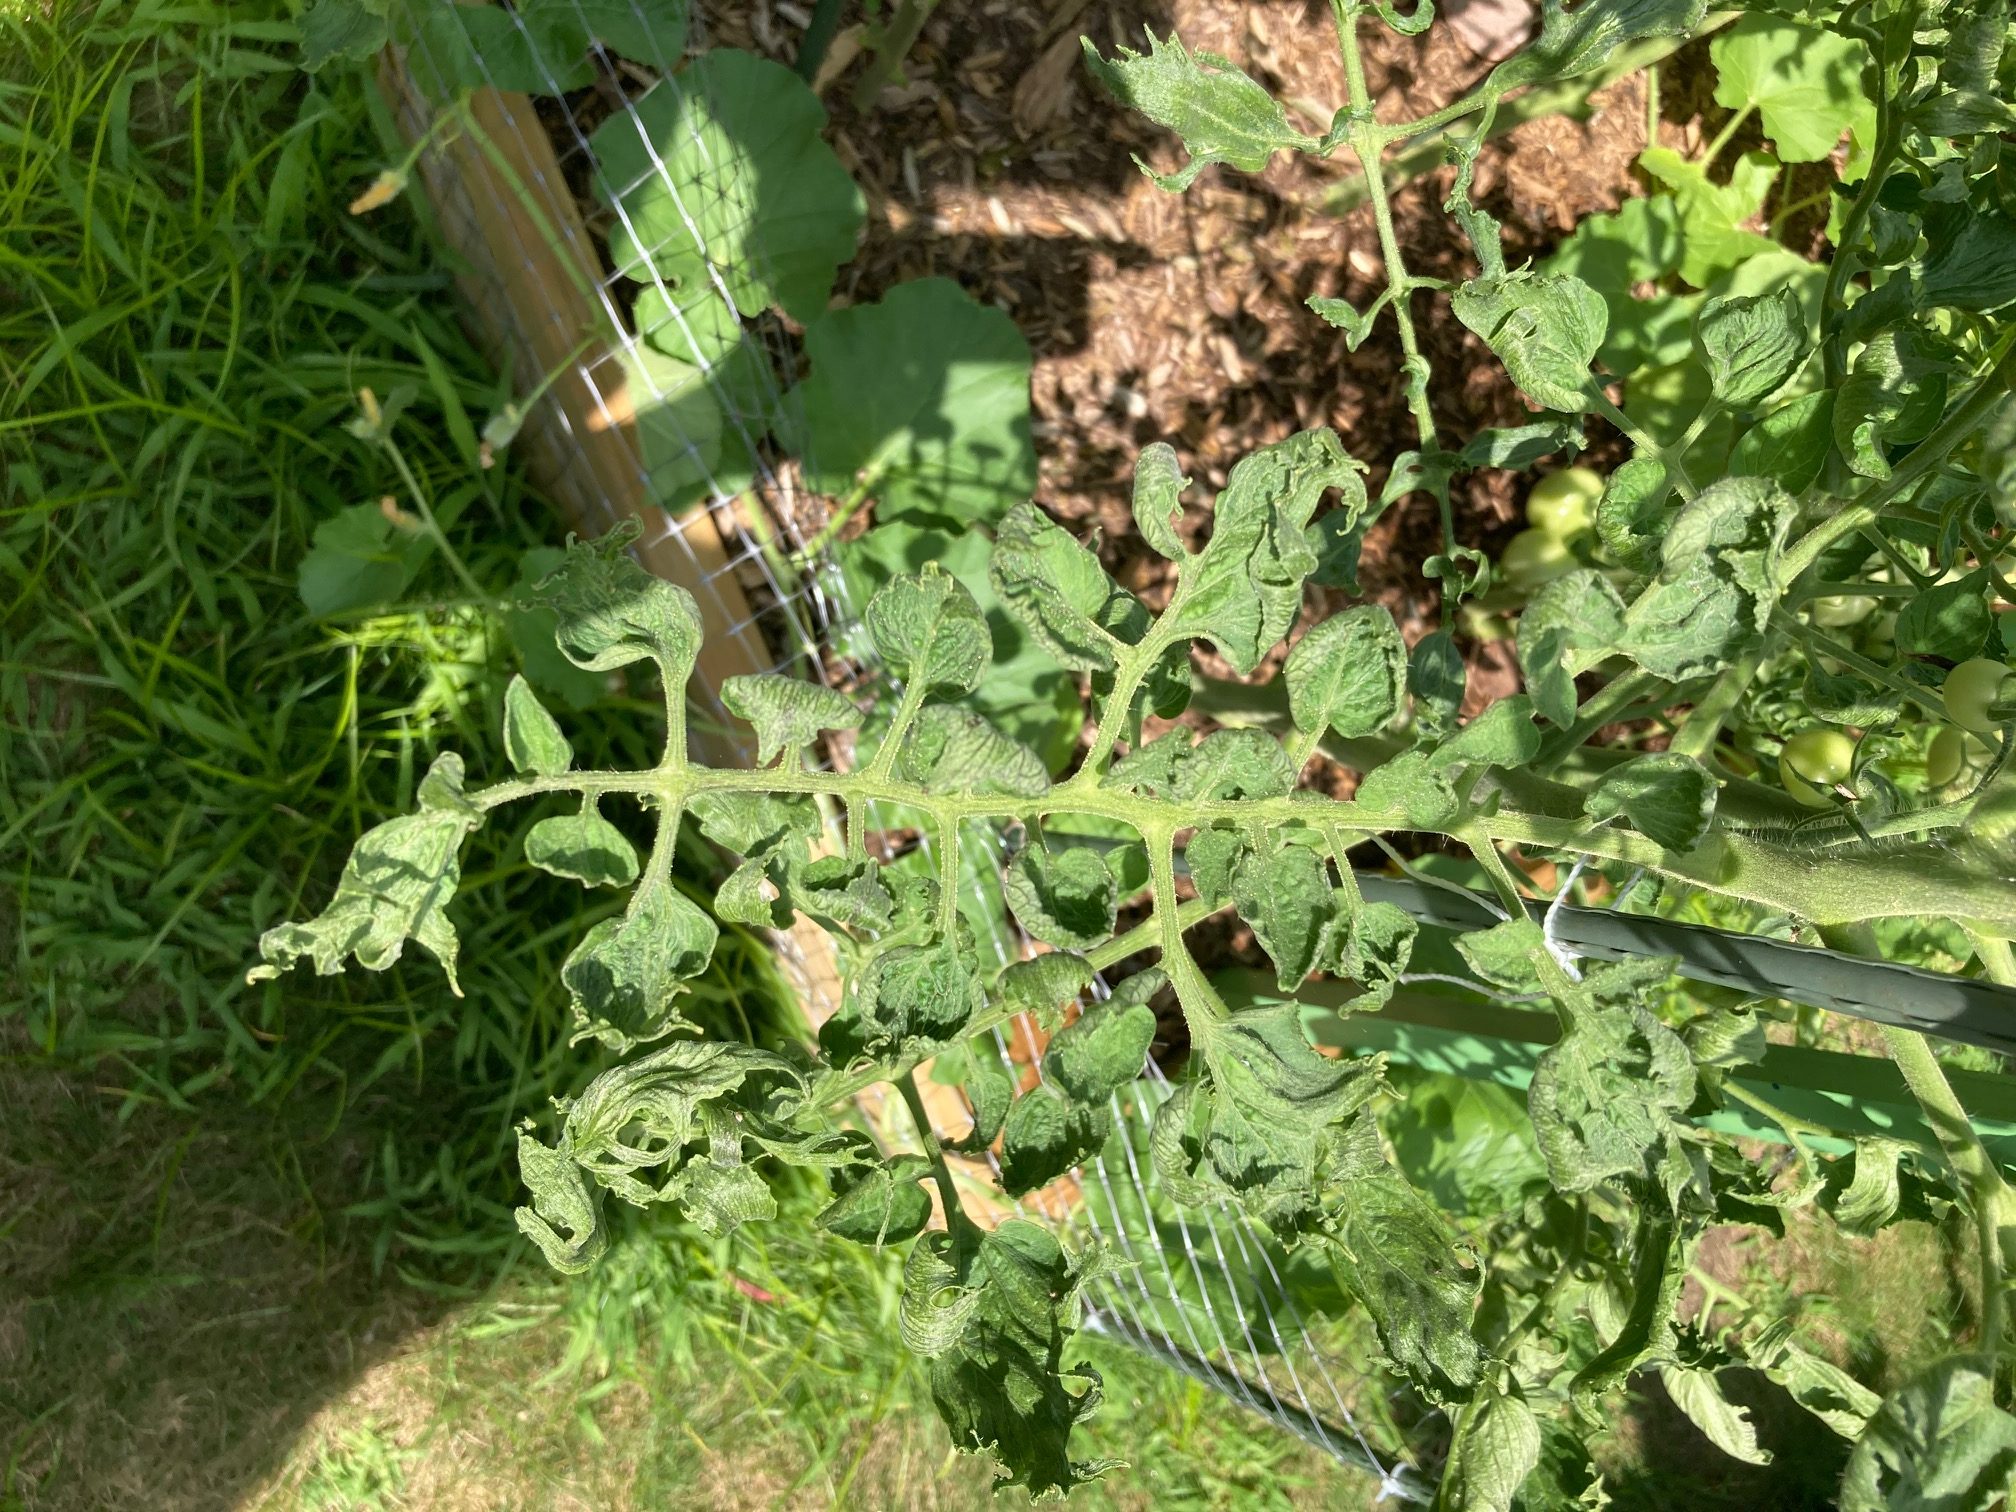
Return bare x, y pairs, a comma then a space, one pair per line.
1180, 317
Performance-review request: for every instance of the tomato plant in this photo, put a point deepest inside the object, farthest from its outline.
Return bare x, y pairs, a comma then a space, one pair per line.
1864, 454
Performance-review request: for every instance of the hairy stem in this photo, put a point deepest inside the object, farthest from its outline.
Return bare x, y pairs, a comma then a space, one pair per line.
957, 1224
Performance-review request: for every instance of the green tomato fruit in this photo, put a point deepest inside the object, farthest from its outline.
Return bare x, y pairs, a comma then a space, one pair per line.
1563, 504
1814, 760
1970, 688
1842, 610
1953, 752
1533, 557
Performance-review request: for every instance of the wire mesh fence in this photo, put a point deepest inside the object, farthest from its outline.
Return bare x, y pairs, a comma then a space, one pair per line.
610, 227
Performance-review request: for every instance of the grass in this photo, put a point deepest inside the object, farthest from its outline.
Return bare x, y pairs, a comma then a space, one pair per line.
256, 1246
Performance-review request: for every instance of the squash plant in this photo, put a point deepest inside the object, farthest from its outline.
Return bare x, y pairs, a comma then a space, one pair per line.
1884, 472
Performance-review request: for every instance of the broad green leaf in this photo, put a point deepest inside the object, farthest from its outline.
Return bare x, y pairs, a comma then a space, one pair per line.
360, 559
584, 846
1105, 1047
609, 612
1347, 674
952, 751
994, 1324
1947, 620
1545, 327
1065, 898
450, 48
929, 631
1789, 445
652, 32
1804, 81
1284, 892
702, 391
1698, 1394
1047, 1136
1396, 1255
1578, 41
1410, 787
882, 1205
1221, 114
1497, 1445
788, 713
1502, 736
1605, 1095
1243, 590
1377, 947
1714, 217
1751, 344
721, 173
1059, 593
395, 887
1466, 1145
1937, 1444
1225, 764
532, 737
341, 30
923, 401
626, 972
1893, 395
1665, 797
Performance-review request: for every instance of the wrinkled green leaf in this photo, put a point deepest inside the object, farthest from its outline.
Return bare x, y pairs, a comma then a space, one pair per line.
1698, 1394
882, 1205
1497, 1445
929, 631
1284, 892
609, 612
1665, 797
1225, 764
1751, 344
533, 741
1545, 327
1047, 1136
1347, 674
1064, 898
1222, 115
1410, 786
626, 972
788, 713
1937, 1444
953, 751
584, 846
395, 887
